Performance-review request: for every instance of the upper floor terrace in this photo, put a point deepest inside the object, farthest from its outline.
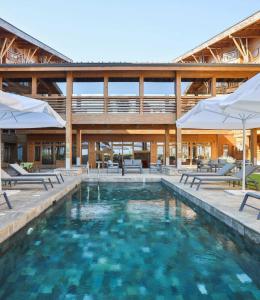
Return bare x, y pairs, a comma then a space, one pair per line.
90, 94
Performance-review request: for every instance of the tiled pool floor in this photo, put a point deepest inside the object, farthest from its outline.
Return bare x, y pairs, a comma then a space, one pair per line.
134, 241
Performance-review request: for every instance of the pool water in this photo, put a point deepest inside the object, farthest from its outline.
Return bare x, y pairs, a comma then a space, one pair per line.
128, 241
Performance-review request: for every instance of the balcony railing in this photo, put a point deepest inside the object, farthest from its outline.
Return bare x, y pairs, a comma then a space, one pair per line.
123, 105
188, 102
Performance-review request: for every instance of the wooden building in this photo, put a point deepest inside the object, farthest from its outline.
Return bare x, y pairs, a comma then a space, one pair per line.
238, 44
18, 47
120, 107
128, 109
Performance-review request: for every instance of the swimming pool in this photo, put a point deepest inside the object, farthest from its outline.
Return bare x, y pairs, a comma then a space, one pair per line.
127, 241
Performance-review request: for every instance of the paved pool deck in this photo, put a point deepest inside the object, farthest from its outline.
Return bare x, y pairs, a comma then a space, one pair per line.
32, 200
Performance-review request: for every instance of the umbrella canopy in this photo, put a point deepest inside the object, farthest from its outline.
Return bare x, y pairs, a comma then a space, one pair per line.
211, 114
246, 99
214, 113
23, 112
18, 112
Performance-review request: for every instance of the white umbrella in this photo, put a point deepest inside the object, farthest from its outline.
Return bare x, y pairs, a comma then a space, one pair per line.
212, 114
244, 104
18, 112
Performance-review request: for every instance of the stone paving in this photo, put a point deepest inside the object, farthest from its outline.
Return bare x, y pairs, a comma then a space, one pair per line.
29, 202
32, 200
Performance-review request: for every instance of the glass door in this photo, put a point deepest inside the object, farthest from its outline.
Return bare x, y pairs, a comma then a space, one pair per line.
47, 154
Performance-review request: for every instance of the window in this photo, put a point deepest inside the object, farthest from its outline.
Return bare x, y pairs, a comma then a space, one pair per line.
22, 86
37, 152
172, 147
160, 152
228, 85
195, 86
88, 86
225, 150
123, 87
159, 87
60, 151
84, 148
51, 86
20, 152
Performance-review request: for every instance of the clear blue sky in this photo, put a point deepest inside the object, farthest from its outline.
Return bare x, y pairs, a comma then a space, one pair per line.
125, 30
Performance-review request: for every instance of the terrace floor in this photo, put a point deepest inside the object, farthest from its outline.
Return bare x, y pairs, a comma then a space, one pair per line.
31, 200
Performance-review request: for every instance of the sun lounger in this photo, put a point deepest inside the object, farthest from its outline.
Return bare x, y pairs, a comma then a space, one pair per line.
237, 177
221, 172
252, 195
21, 171
6, 178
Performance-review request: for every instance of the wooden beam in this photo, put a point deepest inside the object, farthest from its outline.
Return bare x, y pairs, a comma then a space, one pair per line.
194, 57
178, 115
216, 57
33, 53
8, 47
68, 121
213, 86
49, 59
34, 86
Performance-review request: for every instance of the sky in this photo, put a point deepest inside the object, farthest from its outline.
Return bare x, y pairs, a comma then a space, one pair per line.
125, 30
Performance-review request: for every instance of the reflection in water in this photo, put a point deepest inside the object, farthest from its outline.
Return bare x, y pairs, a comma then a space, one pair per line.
128, 241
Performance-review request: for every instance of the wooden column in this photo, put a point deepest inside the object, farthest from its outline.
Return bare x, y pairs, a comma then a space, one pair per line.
178, 115
167, 147
213, 86
79, 148
68, 121
253, 146
141, 93
34, 86
153, 152
106, 94
92, 154
1, 82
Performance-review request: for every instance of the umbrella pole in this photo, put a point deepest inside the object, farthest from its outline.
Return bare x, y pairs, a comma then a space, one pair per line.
244, 156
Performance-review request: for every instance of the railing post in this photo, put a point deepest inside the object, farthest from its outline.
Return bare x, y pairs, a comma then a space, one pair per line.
69, 82
178, 115
141, 93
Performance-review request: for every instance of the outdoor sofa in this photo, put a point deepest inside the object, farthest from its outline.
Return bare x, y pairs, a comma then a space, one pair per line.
133, 165
6, 178
221, 172
22, 172
235, 178
252, 195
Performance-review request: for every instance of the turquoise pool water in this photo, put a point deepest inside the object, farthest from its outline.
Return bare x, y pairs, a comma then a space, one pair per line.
127, 241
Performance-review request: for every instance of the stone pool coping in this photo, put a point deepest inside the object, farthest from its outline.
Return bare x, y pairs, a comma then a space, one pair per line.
27, 207
29, 204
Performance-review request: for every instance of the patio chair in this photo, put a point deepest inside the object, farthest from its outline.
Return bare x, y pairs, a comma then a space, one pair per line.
133, 164
6, 178
111, 166
252, 195
203, 164
237, 177
157, 167
21, 171
221, 172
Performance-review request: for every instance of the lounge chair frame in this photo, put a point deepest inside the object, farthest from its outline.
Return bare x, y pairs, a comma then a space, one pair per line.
252, 195
22, 172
